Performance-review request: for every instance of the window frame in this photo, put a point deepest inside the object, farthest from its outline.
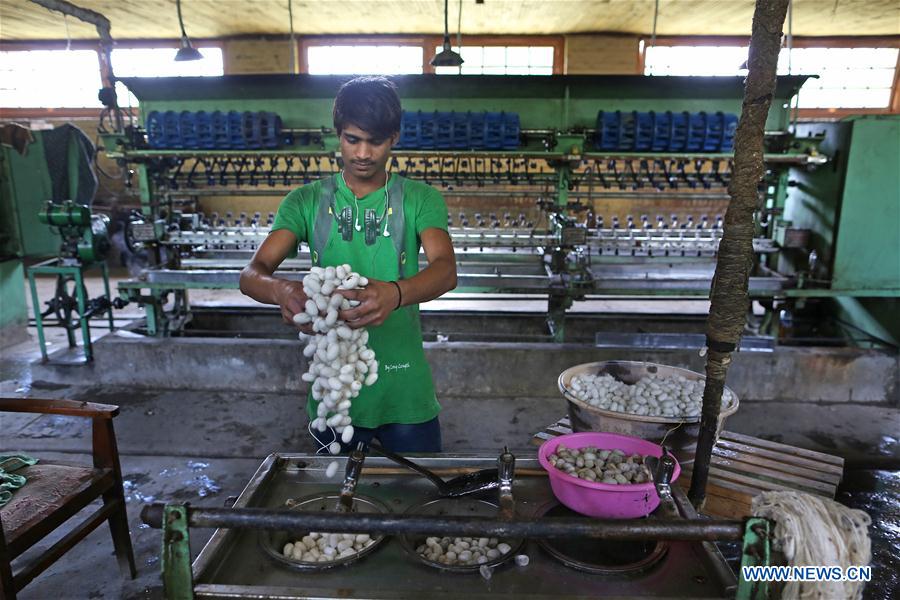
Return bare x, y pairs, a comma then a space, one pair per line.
61, 113
557, 42
428, 42
890, 41
307, 42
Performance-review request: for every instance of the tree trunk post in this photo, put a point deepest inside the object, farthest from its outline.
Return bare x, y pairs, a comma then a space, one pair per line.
729, 296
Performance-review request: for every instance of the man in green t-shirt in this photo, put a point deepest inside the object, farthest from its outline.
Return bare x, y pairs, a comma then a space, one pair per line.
376, 222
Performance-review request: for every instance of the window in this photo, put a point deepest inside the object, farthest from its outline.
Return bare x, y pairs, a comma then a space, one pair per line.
71, 78
364, 60
49, 79
695, 60
160, 62
848, 77
502, 60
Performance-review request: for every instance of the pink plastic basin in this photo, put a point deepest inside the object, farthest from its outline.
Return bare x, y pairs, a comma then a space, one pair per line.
604, 500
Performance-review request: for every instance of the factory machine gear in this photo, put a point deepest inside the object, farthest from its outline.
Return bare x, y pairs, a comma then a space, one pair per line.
562, 187
84, 245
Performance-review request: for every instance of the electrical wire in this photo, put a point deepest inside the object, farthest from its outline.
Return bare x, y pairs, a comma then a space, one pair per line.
459, 34
293, 39
68, 37
655, 16
322, 446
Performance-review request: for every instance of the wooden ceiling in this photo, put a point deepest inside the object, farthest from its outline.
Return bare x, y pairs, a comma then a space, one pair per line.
132, 19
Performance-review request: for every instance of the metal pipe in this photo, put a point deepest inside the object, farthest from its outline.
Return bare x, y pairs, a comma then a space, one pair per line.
107, 77
512, 194
88, 16
290, 520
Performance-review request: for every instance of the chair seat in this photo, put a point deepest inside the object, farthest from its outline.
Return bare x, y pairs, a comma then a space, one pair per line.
53, 492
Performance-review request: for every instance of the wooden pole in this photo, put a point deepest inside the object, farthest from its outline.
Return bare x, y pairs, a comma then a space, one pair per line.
729, 296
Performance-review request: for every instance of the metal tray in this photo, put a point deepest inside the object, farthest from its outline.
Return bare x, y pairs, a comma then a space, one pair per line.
233, 565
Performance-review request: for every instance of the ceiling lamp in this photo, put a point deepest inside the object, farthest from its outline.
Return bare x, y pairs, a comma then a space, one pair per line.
186, 52
446, 57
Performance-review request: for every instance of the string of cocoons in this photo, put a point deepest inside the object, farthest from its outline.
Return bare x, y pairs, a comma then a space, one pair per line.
341, 362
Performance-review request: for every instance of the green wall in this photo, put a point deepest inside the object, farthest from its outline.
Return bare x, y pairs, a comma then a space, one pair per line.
867, 254
25, 189
13, 310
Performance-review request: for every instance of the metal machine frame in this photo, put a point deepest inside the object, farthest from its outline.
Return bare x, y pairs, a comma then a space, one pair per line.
571, 256
675, 520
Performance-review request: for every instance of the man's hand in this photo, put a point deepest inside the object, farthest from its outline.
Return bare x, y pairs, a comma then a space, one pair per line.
376, 302
292, 299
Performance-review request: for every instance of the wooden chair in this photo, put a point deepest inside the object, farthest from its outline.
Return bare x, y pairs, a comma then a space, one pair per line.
56, 491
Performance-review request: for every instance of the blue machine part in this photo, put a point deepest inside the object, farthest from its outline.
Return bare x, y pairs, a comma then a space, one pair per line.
219, 125
444, 130
459, 131
187, 130
511, 128
662, 131
643, 130
476, 129
155, 133
627, 130
696, 132
678, 131
729, 128
203, 129
171, 136
409, 130
665, 131
493, 131
219, 130
234, 125
270, 129
251, 124
607, 137
427, 131
720, 132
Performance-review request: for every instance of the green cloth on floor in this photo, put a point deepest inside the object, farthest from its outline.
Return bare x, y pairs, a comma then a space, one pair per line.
9, 481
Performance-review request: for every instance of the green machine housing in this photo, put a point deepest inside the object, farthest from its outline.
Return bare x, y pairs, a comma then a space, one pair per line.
852, 210
566, 253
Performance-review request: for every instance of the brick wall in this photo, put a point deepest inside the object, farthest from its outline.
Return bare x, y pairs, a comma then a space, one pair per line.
599, 54
585, 54
249, 56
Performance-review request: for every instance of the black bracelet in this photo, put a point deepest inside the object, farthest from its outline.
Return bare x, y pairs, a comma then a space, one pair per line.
399, 295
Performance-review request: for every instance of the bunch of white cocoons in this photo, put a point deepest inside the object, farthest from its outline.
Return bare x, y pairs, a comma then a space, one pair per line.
653, 395
326, 547
601, 466
462, 551
341, 362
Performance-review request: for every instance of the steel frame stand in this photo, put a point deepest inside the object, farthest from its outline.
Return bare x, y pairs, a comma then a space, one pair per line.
69, 272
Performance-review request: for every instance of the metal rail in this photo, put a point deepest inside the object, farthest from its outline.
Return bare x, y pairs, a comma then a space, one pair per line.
288, 520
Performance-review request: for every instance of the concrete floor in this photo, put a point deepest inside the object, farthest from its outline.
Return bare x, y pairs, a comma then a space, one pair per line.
203, 446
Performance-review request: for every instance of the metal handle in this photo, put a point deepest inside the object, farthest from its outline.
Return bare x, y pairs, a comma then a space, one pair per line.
351, 478
437, 481
663, 471
506, 472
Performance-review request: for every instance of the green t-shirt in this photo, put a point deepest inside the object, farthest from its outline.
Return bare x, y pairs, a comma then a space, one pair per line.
404, 392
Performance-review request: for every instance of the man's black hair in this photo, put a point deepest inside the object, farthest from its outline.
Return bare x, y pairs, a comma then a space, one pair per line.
370, 103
